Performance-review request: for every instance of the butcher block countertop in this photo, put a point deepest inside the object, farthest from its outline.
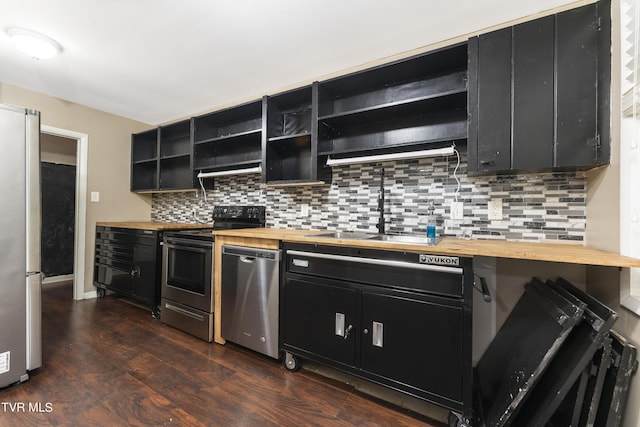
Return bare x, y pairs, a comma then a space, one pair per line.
151, 225
554, 252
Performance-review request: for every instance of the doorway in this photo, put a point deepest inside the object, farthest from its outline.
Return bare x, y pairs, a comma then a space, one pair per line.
79, 141
58, 190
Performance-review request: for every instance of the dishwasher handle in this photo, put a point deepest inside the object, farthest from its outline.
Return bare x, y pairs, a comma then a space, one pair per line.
248, 254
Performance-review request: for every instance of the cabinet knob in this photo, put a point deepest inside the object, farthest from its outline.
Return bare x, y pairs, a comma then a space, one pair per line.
366, 331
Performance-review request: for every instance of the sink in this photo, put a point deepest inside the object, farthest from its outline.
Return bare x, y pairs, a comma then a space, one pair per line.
405, 239
357, 235
361, 235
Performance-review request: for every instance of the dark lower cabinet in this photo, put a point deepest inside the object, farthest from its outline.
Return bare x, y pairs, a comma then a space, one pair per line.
310, 318
420, 344
127, 262
388, 317
539, 94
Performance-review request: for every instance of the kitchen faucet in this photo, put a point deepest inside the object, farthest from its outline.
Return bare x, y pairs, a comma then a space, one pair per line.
380, 224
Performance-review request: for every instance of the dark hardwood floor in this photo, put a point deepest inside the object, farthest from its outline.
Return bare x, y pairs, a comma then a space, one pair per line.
107, 363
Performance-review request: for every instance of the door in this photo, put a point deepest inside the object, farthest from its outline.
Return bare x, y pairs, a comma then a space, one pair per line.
144, 273
490, 101
577, 34
320, 319
417, 342
533, 95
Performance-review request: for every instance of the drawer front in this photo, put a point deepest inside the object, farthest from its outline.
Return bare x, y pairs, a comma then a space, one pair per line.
116, 235
397, 274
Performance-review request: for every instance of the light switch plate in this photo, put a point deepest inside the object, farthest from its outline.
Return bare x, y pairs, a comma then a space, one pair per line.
494, 209
95, 196
457, 210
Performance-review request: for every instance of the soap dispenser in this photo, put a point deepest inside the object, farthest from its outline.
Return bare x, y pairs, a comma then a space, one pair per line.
431, 222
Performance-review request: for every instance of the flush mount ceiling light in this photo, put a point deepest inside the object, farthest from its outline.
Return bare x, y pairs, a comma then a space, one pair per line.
34, 44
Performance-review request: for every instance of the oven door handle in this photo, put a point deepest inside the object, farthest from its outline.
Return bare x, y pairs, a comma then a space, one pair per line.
187, 245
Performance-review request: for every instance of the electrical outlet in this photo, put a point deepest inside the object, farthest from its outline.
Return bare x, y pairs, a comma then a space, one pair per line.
304, 210
494, 209
457, 210
95, 196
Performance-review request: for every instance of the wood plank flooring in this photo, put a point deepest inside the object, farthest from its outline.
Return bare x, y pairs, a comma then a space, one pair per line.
107, 363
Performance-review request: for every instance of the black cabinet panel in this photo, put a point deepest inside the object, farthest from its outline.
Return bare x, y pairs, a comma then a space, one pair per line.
532, 88
417, 342
127, 261
539, 94
491, 61
385, 316
577, 55
310, 309
161, 158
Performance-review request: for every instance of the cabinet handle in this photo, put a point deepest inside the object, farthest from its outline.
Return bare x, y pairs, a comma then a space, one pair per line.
487, 162
135, 272
339, 329
376, 334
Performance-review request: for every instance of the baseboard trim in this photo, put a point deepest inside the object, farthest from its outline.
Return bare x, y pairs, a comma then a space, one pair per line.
58, 279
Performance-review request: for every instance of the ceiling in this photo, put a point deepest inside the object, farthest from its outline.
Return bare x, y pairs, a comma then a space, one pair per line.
161, 60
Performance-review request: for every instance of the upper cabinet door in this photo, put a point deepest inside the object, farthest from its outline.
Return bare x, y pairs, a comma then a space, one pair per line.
489, 141
577, 34
533, 92
539, 94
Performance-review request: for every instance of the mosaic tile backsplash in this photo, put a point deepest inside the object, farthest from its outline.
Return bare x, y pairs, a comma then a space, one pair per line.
542, 207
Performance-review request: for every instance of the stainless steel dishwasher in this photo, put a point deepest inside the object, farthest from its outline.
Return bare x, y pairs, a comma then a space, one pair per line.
250, 298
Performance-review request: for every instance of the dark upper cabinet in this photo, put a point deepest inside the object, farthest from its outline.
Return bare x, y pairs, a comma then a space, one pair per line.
161, 158
539, 94
144, 160
176, 166
228, 139
410, 104
290, 143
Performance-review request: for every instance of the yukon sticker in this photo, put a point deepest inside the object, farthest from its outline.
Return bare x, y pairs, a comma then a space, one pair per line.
440, 260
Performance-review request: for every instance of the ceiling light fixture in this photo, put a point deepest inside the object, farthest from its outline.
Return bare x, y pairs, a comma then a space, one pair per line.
34, 44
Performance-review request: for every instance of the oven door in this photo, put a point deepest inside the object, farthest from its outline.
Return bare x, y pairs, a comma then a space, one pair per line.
187, 272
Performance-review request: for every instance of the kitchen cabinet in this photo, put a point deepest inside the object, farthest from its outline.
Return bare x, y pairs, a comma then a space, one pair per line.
539, 94
176, 156
389, 317
290, 144
229, 139
406, 105
161, 158
144, 161
128, 262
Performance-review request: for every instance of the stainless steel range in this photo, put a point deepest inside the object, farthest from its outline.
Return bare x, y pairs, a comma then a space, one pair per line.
187, 270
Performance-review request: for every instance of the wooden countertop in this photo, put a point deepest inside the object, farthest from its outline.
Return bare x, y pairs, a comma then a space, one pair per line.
151, 225
554, 252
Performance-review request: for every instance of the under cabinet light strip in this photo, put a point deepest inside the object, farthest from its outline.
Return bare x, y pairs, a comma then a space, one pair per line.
435, 152
257, 169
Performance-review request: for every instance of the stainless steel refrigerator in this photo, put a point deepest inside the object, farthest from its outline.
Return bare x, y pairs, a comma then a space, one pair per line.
20, 280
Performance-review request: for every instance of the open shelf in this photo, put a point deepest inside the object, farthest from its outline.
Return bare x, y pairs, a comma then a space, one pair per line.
144, 146
144, 176
228, 123
394, 133
410, 97
175, 139
289, 151
230, 152
175, 173
415, 101
229, 138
